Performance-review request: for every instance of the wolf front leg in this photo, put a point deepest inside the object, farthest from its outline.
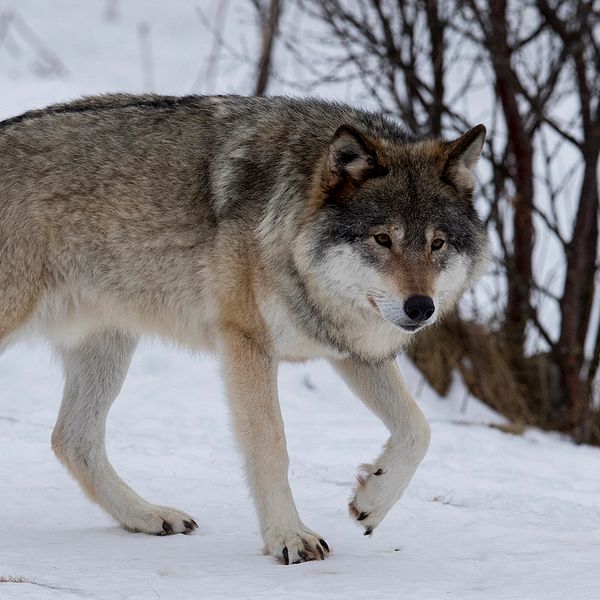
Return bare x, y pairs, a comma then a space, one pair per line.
250, 373
380, 485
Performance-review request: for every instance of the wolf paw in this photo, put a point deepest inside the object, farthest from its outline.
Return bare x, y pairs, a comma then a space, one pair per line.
295, 545
376, 492
160, 520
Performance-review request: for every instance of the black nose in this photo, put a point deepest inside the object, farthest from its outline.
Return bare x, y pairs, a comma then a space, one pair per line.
419, 308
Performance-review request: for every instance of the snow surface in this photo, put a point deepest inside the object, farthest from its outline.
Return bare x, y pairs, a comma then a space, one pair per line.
488, 515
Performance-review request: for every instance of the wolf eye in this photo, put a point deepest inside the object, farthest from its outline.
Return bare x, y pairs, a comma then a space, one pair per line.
383, 239
437, 244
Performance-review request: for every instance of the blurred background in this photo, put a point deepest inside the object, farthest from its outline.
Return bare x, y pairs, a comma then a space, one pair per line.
526, 339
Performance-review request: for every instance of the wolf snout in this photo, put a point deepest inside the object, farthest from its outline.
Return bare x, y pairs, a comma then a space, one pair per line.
419, 308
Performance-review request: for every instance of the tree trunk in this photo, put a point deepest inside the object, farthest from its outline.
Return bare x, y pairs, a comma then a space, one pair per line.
436, 32
576, 303
269, 29
520, 145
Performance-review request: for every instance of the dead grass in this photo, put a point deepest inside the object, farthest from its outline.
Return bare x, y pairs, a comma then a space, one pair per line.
446, 500
512, 428
26, 580
480, 358
526, 391
15, 579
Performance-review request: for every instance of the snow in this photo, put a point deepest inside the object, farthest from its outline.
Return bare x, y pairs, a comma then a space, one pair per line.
488, 515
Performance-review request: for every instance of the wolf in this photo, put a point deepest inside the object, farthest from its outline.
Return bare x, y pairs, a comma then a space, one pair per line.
260, 229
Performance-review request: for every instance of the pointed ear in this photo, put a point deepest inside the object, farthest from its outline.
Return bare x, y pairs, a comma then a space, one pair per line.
462, 156
351, 159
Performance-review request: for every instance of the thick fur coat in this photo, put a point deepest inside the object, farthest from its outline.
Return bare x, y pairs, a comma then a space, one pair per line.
263, 230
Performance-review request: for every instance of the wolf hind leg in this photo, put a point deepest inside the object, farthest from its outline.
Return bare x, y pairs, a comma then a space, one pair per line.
23, 281
94, 372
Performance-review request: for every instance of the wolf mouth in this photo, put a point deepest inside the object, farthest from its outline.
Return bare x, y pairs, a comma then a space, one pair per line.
410, 328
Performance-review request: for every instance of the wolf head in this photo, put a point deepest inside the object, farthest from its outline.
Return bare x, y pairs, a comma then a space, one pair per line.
391, 226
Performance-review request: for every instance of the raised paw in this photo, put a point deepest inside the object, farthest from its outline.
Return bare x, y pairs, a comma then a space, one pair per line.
295, 545
376, 492
159, 520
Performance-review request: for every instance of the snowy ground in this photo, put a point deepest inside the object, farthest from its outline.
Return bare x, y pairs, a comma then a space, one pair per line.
488, 515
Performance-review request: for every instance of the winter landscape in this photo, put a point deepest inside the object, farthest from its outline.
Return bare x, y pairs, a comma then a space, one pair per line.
489, 514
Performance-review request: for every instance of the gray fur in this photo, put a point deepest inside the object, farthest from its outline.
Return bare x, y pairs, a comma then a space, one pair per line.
242, 226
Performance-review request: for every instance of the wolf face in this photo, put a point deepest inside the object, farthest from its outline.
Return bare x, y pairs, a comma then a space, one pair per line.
394, 228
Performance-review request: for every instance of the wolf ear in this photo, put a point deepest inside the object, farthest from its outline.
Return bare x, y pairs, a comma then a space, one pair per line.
351, 159
462, 156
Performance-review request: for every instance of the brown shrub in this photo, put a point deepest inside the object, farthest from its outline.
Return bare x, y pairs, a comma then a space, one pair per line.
528, 391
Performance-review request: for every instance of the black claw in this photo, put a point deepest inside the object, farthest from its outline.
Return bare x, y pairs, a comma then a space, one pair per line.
368, 531
362, 516
320, 552
188, 526
167, 528
286, 557
324, 544
194, 524
378, 472
303, 555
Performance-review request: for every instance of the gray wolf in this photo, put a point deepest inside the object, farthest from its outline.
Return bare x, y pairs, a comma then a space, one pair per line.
260, 229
